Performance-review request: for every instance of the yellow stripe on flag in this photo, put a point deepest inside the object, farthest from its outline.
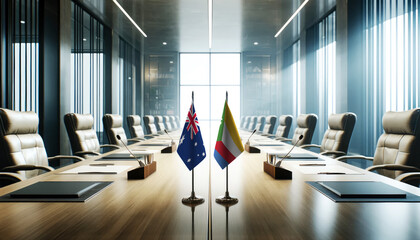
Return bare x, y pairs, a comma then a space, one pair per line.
231, 127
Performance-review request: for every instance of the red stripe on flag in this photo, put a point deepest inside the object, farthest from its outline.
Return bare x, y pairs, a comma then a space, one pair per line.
224, 152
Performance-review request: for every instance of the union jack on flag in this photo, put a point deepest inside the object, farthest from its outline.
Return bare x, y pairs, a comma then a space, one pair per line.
191, 147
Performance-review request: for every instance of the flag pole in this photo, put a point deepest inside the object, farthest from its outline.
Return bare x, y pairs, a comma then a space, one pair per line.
193, 199
227, 199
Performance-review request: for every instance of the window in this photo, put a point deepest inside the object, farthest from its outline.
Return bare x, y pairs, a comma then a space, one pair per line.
291, 83
87, 66
392, 60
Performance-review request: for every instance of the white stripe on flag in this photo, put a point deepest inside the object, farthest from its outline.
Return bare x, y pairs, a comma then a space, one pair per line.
229, 143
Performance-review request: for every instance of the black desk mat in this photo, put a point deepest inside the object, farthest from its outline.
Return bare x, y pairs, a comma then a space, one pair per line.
83, 197
410, 197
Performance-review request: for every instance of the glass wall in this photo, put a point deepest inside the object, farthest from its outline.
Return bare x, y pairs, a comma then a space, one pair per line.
23, 55
87, 66
210, 76
392, 60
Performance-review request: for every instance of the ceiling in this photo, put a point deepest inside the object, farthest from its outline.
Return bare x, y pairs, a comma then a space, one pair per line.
183, 24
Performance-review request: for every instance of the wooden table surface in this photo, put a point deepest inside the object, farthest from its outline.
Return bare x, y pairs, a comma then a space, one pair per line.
152, 208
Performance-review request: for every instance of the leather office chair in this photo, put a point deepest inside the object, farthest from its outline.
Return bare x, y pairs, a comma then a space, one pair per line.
113, 126
149, 125
177, 122
306, 124
252, 123
135, 128
159, 123
270, 123
173, 122
398, 148
22, 151
167, 123
82, 136
242, 122
337, 138
285, 123
260, 124
247, 122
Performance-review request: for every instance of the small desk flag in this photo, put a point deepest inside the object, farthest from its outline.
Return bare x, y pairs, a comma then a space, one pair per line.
191, 147
228, 145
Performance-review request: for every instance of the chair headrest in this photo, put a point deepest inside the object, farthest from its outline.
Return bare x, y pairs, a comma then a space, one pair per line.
159, 119
260, 119
114, 120
135, 119
285, 120
82, 121
148, 119
305, 120
405, 122
15, 122
339, 121
167, 119
270, 120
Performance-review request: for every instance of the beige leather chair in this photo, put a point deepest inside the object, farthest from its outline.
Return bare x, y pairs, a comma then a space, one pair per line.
113, 126
83, 139
306, 124
270, 123
135, 128
149, 125
160, 126
398, 148
242, 122
167, 123
173, 122
260, 124
337, 138
285, 123
247, 122
22, 149
253, 123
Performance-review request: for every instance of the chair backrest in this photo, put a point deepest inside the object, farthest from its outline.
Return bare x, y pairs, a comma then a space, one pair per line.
149, 124
177, 122
253, 123
159, 123
285, 122
134, 126
337, 137
20, 142
242, 122
113, 126
270, 123
247, 122
173, 122
306, 124
399, 144
81, 134
260, 123
167, 123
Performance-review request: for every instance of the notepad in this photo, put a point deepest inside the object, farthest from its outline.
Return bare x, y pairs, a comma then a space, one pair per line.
106, 169
367, 189
126, 155
297, 156
54, 190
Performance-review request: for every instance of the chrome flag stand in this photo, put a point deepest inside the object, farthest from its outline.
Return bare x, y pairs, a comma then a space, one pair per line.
193, 199
226, 199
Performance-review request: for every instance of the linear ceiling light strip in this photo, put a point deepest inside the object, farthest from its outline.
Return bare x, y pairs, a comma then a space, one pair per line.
291, 18
129, 18
210, 22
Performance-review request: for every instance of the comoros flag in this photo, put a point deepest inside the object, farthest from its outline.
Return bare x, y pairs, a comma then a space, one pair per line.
228, 145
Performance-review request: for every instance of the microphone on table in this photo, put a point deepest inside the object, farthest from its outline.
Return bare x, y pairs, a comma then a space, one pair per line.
166, 131
287, 155
247, 142
142, 164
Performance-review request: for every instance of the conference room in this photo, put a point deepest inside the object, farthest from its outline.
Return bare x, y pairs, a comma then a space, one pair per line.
209, 119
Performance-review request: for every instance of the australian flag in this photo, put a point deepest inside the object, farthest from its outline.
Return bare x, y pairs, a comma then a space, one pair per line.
191, 147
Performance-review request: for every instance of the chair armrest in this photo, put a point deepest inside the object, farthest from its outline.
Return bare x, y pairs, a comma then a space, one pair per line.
59, 157
284, 139
110, 146
17, 168
343, 158
134, 140
310, 145
407, 177
394, 167
336, 153
83, 153
10, 177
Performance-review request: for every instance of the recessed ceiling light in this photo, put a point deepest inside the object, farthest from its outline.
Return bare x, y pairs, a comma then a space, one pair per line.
171, 62
84, 39
165, 43
255, 43
129, 18
22, 22
291, 18
249, 62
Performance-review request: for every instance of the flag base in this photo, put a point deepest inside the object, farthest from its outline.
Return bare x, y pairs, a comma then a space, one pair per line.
169, 149
251, 149
227, 200
193, 200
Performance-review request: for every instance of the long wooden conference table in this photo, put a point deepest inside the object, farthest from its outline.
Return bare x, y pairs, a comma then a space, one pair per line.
152, 208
